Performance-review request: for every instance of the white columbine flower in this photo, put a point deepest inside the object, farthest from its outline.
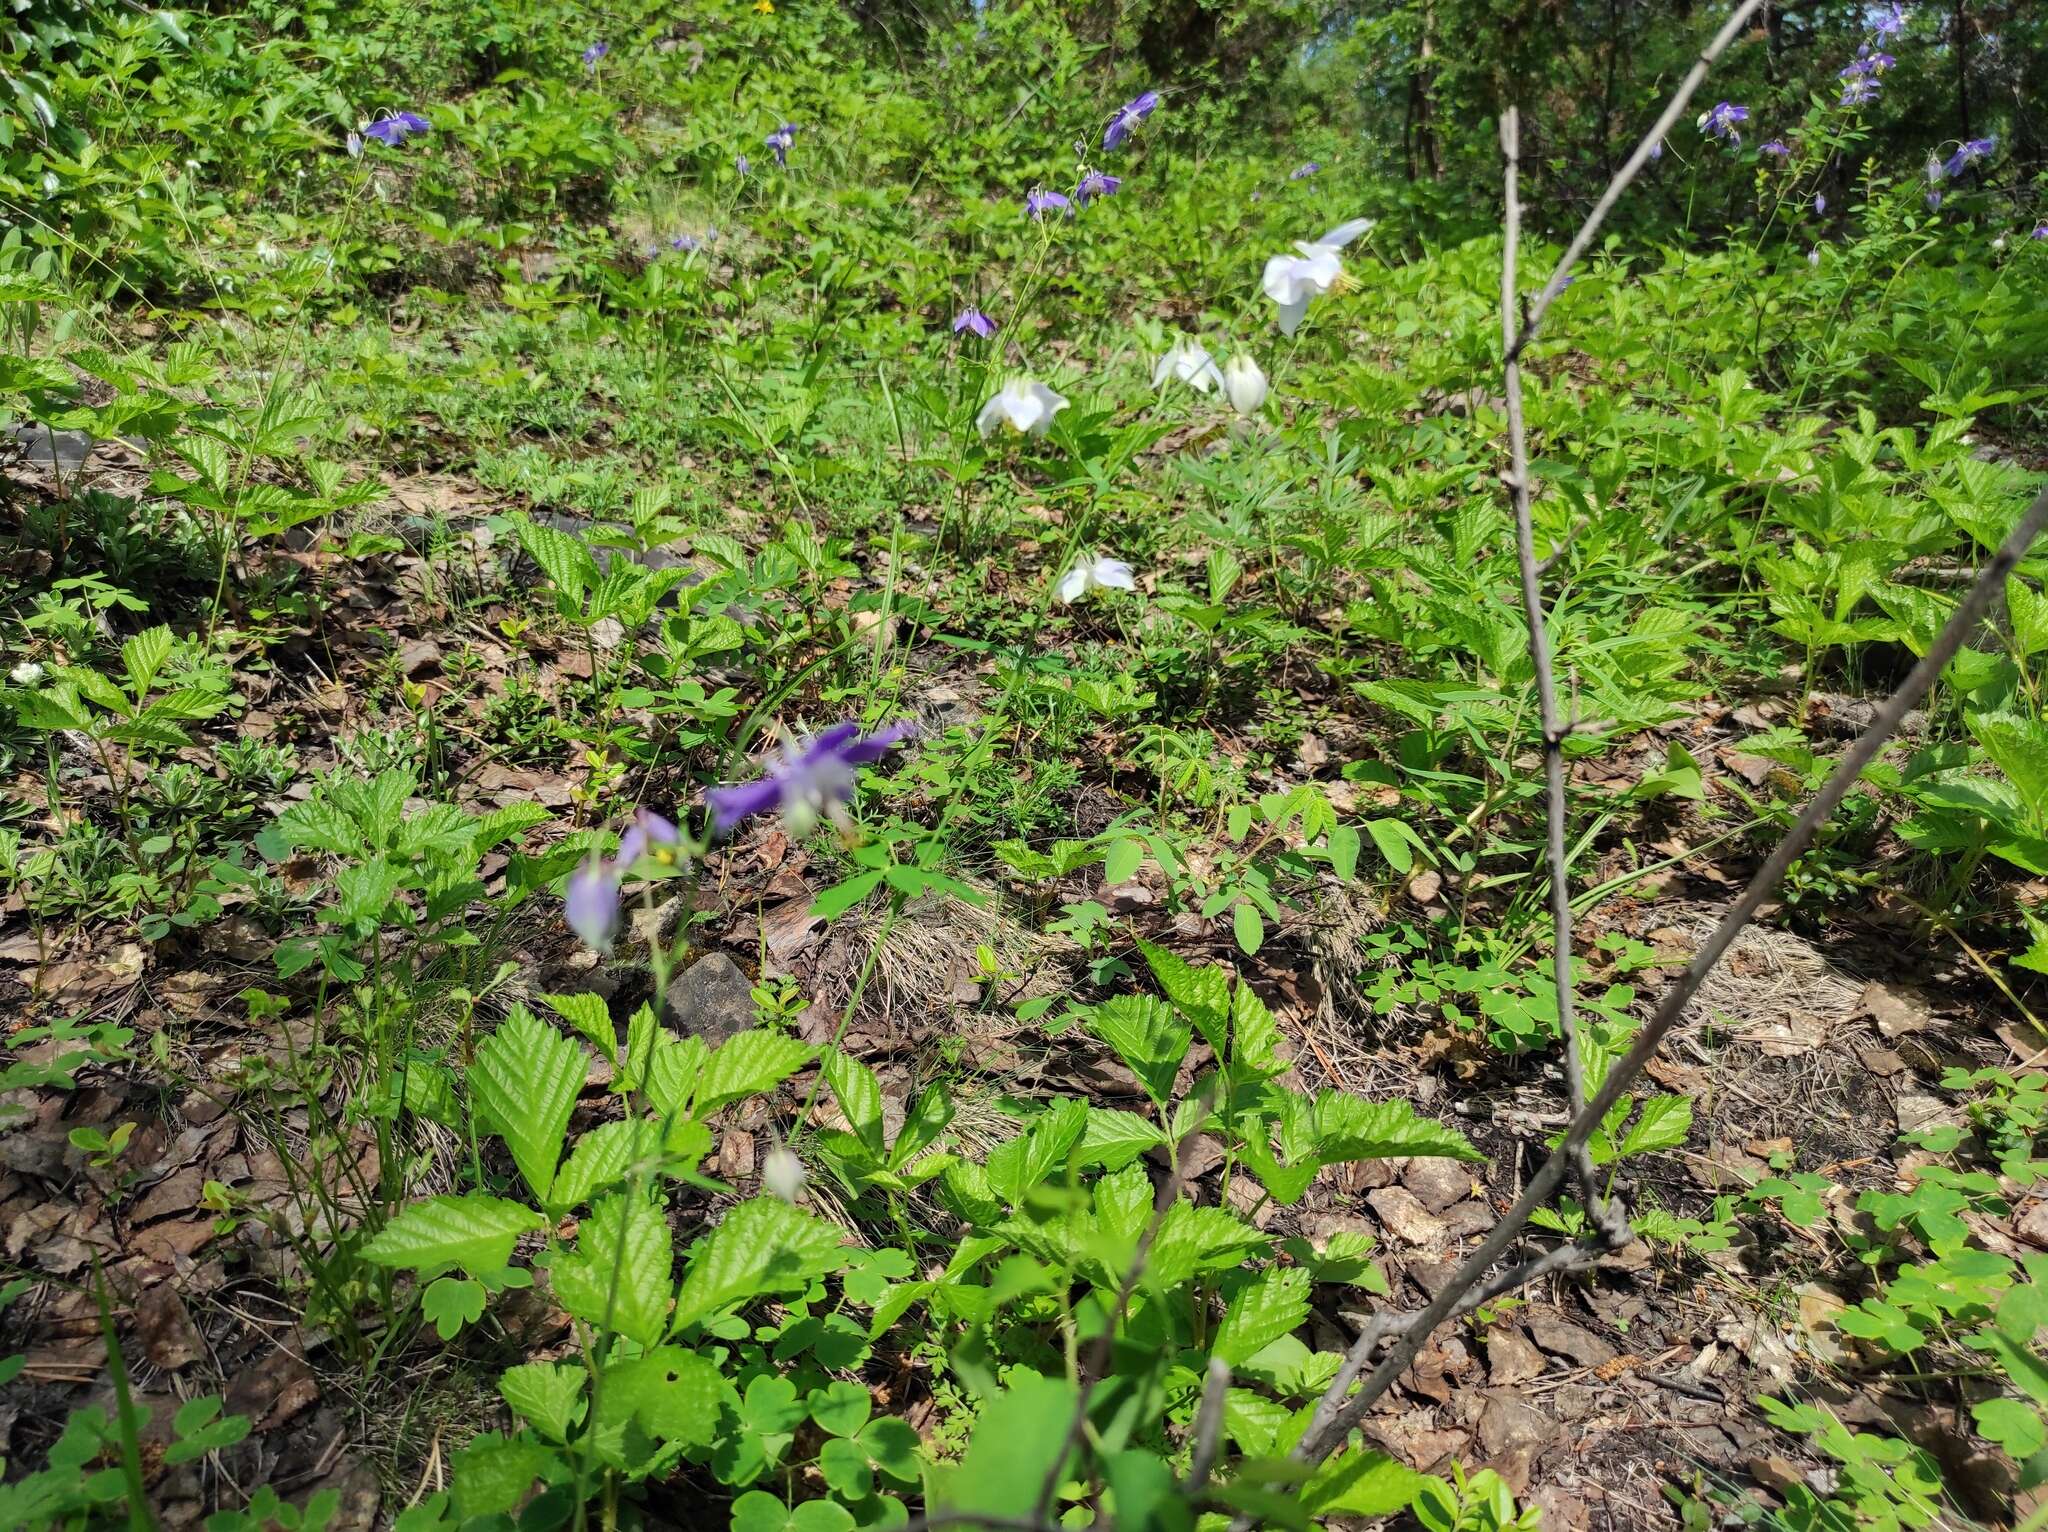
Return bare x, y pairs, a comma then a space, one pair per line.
1244, 385
1023, 404
27, 673
1291, 280
1188, 360
1095, 574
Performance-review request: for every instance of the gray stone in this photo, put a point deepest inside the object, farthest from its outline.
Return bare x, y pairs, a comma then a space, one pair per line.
1437, 1183
712, 1000
1561, 1337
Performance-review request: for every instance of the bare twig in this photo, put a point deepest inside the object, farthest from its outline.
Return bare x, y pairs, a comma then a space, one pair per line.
1322, 1439
1555, 728
1630, 169
1208, 1427
1339, 1410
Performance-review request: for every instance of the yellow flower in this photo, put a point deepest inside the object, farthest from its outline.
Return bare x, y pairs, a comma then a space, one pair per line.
765, 7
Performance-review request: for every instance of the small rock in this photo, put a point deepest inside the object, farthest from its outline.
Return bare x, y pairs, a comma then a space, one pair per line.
1882, 1062
712, 1000
1916, 1110
1561, 1337
420, 657
1510, 1359
1405, 1216
1425, 885
2033, 1225
1776, 1474
1511, 1434
1468, 1219
1895, 1012
1437, 1183
169, 1338
1818, 1309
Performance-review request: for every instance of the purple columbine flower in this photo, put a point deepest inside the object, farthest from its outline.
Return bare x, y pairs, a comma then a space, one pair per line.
1128, 116
1860, 91
1303, 172
592, 903
1891, 21
742, 164
354, 144
1096, 184
1776, 148
1867, 63
974, 322
1820, 203
1934, 200
1973, 150
807, 780
1721, 120
1038, 202
593, 53
2040, 230
684, 242
1657, 150
394, 128
781, 141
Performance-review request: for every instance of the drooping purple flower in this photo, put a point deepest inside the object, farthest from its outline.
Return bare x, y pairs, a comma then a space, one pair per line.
1721, 120
1776, 148
1820, 203
1303, 172
593, 53
1934, 200
684, 242
1657, 150
1860, 91
1128, 116
972, 321
742, 164
1973, 150
1096, 184
1813, 256
1891, 21
807, 780
781, 141
2040, 230
354, 144
592, 903
394, 128
1038, 202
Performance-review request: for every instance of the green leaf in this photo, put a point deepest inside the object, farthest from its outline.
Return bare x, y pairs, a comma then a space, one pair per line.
841, 897
764, 1246
1344, 847
840, 1409
619, 1276
859, 1095
1396, 842
1248, 928
1361, 1484
2019, 748
451, 1303
747, 1064
1201, 994
472, 1231
524, 1082
144, 657
1120, 864
1112, 1139
562, 558
591, 1016
548, 1394
670, 1394
759, 1511
1148, 1035
2012, 1425
1018, 1441
600, 1159
1274, 1304
493, 1474
1349, 1128
1663, 1125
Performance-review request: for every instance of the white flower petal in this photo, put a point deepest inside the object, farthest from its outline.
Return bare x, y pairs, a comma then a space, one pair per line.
1073, 584
1112, 574
1290, 315
1345, 233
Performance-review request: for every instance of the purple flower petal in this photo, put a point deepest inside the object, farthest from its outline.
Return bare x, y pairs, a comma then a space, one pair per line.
592, 905
729, 805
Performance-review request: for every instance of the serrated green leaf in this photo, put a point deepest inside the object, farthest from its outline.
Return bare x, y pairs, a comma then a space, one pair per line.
747, 1064
1273, 1304
1200, 994
764, 1246
619, 1276
473, 1231
524, 1082
591, 1016
548, 1395
1150, 1036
